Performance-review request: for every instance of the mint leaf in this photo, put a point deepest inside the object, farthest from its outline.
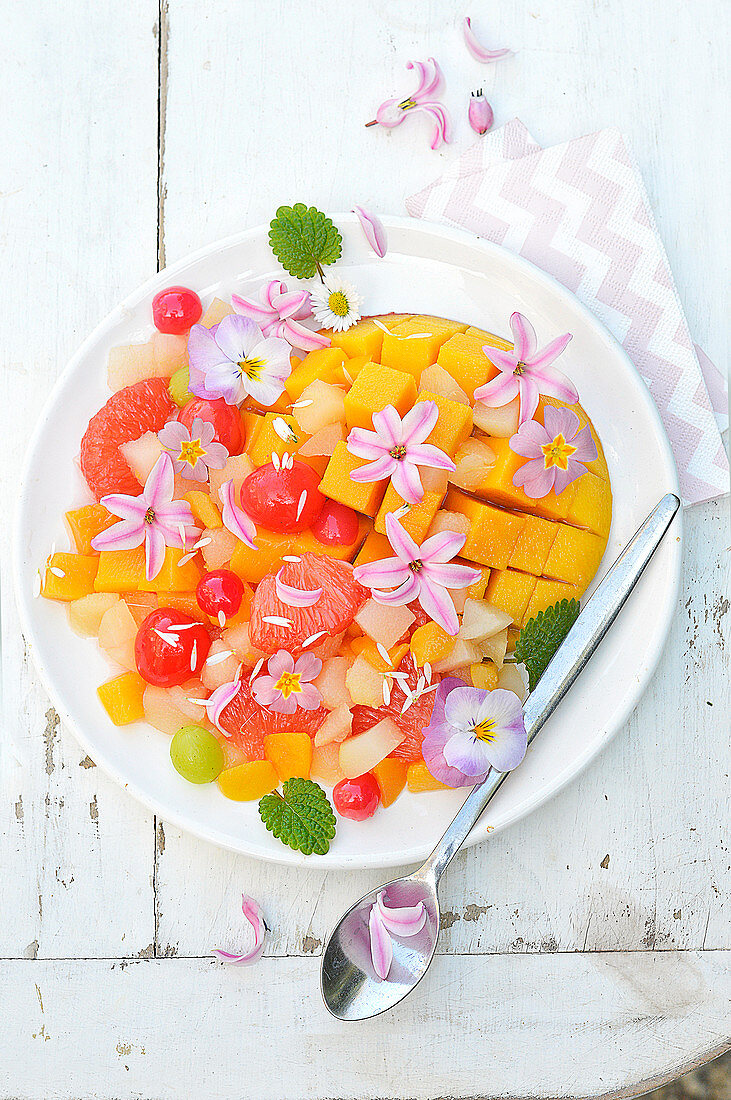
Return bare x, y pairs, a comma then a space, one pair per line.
303, 239
541, 636
301, 816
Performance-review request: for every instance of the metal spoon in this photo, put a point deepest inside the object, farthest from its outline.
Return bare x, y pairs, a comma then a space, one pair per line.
350, 986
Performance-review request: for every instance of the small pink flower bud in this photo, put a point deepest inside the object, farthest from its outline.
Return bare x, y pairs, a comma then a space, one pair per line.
480, 113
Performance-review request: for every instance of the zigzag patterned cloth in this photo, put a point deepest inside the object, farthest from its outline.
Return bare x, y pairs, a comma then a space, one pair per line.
580, 211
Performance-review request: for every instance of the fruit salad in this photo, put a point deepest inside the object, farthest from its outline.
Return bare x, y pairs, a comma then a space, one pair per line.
296, 534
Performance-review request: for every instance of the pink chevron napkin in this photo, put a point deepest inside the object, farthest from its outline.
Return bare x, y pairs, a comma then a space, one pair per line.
580, 211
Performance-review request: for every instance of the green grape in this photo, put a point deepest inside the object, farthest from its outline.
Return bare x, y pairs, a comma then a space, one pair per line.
178, 386
196, 754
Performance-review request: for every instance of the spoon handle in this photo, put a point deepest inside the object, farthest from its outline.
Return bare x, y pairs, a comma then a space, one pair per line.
568, 662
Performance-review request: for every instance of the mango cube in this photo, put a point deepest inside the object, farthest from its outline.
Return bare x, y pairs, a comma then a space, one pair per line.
546, 594
375, 387
390, 775
574, 556
363, 496
511, 591
497, 485
462, 357
86, 523
279, 434
493, 533
430, 643
414, 344
416, 521
290, 753
322, 365
484, 675
363, 338
122, 698
453, 426
174, 577
69, 576
420, 779
375, 548
592, 505
248, 782
533, 546
204, 510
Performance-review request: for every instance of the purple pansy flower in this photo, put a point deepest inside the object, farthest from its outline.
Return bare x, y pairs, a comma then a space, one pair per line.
527, 372
234, 360
472, 730
557, 451
153, 517
397, 448
423, 573
193, 451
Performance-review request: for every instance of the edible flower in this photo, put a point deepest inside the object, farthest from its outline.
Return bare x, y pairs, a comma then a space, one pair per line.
373, 229
234, 360
423, 572
153, 517
288, 684
472, 730
279, 312
256, 934
557, 450
336, 303
478, 51
396, 449
392, 112
218, 700
296, 597
526, 372
480, 114
193, 451
385, 921
234, 518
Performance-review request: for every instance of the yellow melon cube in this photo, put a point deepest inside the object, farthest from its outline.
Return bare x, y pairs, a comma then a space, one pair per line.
375, 387
533, 546
453, 426
414, 344
86, 523
174, 577
546, 594
484, 675
253, 565
337, 484
122, 698
476, 591
251, 421
69, 576
120, 570
322, 365
290, 753
417, 520
204, 510
249, 781
375, 548
281, 434
592, 505
430, 643
419, 779
462, 357
493, 533
363, 338
510, 591
574, 556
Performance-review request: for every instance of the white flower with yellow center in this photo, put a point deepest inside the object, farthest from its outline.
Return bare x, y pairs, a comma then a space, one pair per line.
336, 304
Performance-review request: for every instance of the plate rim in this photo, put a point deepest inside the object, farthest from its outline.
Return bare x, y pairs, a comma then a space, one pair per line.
337, 861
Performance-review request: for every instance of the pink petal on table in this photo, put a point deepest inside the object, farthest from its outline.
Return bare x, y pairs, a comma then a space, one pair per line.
524, 337
430, 77
475, 47
381, 945
234, 518
252, 913
401, 920
480, 114
373, 230
442, 132
389, 114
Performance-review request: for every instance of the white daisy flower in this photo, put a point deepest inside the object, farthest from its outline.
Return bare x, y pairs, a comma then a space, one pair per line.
336, 304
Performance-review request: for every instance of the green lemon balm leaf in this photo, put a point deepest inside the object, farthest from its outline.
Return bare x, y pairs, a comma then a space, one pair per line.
303, 239
541, 636
301, 816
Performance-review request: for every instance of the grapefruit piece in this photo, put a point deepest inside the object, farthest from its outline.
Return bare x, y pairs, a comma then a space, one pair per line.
247, 723
127, 415
335, 610
412, 723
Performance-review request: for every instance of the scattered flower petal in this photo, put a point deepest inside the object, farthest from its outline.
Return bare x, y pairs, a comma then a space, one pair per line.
219, 700
401, 920
257, 935
235, 518
381, 945
373, 229
295, 597
480, 114
478, 51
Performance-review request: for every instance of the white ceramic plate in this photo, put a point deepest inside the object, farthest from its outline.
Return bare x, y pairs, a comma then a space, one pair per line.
428, 269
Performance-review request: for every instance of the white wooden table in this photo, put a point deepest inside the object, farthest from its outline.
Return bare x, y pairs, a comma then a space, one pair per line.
585, 951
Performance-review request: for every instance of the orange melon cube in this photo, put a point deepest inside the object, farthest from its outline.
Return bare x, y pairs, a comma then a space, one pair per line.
351, 368
337, 483
375, 387
462, 357
533, 546
366, 647
453, 426
205, 512
253, 565
122, 698
511, 592
251, 422
493, 533
417, 519
140, 604
362, 338
88, 522
592, 505
414, 344
69, 576
290, 753
322, 365
574, 556
497, 485
121, 570
546, 594
174, 577
430, 643
420, 779
375, 548
390, 775
186, 602
248, 782
484, 675
476, 591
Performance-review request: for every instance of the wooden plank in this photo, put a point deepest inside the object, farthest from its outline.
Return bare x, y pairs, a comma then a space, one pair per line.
475, 1027
78, 96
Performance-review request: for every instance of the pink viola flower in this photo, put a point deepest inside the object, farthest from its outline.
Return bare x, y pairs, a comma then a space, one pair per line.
424, 573
557, 452
392, 112
475, 47
192, 450
278, 313
396, 449
287, 684
527, 372
373, 230
153, 518
257, 931
234, 360
480, 114
471, 731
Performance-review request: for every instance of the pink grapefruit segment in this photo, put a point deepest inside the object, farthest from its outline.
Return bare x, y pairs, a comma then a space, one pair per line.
412, 723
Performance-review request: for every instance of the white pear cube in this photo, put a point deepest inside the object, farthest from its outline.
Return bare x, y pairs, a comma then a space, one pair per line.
384, 624
336, 727
361, 753
462, 653
481, 620
86, 614
502, 422
495, 647
327, 406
